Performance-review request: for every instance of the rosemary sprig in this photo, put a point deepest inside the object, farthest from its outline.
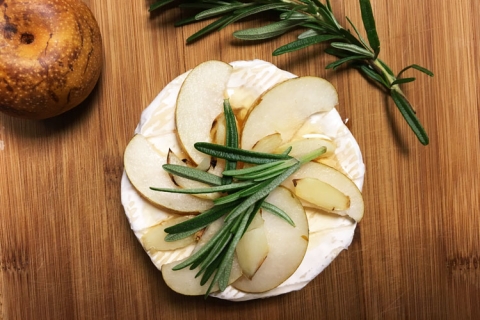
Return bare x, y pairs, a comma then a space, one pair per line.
321, 27
245, 191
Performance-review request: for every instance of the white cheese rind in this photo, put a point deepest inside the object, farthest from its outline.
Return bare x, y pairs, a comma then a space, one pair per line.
329, 235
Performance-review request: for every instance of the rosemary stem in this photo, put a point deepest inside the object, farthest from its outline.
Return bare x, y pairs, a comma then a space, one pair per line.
375, 63
390, 79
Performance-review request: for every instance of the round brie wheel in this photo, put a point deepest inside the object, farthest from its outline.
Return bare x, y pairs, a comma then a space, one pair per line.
328, 235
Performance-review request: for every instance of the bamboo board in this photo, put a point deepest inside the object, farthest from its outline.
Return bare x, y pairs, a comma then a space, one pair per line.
66, 251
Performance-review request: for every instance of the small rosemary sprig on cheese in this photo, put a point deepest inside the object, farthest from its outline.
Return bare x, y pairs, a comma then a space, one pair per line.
245, 192
321, 27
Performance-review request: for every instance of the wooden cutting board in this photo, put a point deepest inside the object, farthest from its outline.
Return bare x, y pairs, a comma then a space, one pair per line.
66, 250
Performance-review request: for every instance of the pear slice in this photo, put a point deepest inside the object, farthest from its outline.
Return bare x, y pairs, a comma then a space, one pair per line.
184, 281
199, 103
257, 222
335, 179
154, 237
268, 144
218, 135
173, 158
252, 249
186, 183
143, 166
209, 232
219, 130
285, 107
321, 194
287, 244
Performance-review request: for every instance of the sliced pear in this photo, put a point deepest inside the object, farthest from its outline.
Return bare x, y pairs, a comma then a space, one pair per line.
285, 107
199, 103
331, 162
143, 166
218, 136
205, 164
287, 244
321, 194
173, 158
241, 100
257, 222
209, 232
314, 126
154, 237
252, 249
186, 183
304, 146
219, 130
217, 166
337, 180
268, 144
184, 281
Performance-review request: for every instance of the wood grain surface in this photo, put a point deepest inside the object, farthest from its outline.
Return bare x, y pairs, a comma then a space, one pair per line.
66, 249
